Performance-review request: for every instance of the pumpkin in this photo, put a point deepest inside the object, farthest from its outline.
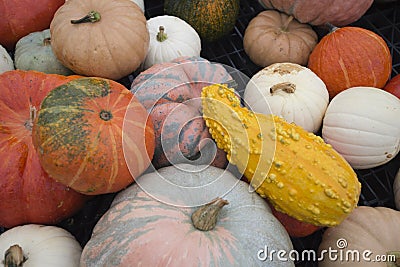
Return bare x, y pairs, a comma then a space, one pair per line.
316, 12
171, 94
362, 124
213, 220
92, 135
296, 170
368, 237
396, 190
291, 91
39, 245
349, 57
393, 86
140, 3
28, 194
100, 38
212, 19
170, 38
21, 17
6, 62
273, 37
34, 52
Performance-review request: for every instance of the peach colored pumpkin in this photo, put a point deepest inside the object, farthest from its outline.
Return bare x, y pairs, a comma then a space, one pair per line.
157, 227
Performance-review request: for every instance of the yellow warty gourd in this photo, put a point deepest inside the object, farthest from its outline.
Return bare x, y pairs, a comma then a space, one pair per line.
296, 170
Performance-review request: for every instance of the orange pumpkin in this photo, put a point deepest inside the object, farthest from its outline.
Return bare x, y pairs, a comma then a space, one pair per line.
93, 136
349, 57
27, 193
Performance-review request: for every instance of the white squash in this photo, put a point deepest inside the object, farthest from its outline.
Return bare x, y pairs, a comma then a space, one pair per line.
39, 245
170, 38
362, 124
290, 91
396, 190
34, 52
6, 62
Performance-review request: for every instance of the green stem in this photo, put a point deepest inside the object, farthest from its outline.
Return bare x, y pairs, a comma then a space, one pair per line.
92, 16
161, 35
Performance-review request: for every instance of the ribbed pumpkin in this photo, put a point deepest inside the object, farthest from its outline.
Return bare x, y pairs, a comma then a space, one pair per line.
317, 12
349, 57
209, 218
21, 17
212, 19
6, 62
171, 94
92, 135
296, 170
27, 193
103, 38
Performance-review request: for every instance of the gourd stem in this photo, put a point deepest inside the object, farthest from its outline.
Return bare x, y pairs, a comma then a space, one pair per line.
46, 41
393, 259
92, 16
32, 116
287, 22
331, 27
287, 87
14, 257
205, 217
161, 35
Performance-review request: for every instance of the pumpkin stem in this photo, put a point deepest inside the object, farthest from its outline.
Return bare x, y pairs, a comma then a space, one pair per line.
161, 35
47, 41
286, 24
393, 259
32, 115
205, 217
92, 16
14, 257
287, 87
331, 27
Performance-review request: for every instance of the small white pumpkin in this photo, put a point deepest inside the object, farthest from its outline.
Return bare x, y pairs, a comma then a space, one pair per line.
290, 91
362, 124
170, 38
396, 190
34, 52
6, 62
39, 245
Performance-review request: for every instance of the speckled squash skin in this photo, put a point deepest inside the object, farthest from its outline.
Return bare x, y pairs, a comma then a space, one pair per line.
300, 174
171, 94
28, 194
141, 230
212, 19
93, 135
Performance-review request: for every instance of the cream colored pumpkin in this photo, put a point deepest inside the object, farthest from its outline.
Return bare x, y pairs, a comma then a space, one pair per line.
170, 38
6, 62
40, 245
290, 91
362, 239
362, 124
396, 190
34, 52
155, 223
140, 3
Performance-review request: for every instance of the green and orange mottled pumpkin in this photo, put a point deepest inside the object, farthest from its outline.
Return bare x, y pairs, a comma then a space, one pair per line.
93, 135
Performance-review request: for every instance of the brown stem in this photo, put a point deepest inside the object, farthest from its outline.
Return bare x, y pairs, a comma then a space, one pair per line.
286, 24
32, 116
14, 257
287, 87
161, 35
47, 41
92, 16
205, 217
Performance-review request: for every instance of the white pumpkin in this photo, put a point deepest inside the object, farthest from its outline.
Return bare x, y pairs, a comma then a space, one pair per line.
161, 221
6, 62
170, 38
362, 124
39, 245
396, 190
34, 52
290, 91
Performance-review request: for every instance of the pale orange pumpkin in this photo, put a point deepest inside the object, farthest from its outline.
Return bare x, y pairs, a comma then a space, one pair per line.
103, 38
349, 57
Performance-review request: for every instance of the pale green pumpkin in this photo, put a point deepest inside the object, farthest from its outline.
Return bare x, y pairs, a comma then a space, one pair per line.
34, 52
